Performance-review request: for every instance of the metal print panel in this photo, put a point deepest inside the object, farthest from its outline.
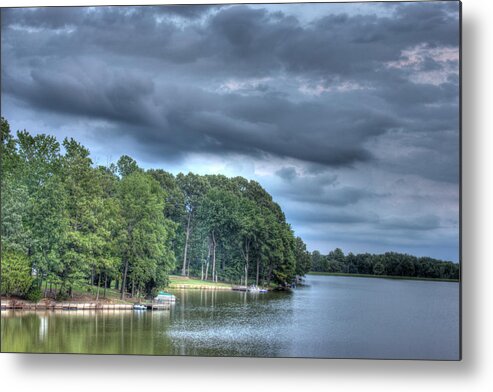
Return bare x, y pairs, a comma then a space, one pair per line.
254, 180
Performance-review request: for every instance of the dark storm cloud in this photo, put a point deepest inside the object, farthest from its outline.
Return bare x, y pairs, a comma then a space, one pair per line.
420, 223
314, 216
287, 173
323, 94
233, 41
59, 17
114, 96
194, 120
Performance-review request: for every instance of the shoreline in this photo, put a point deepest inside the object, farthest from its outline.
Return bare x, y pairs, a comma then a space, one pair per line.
383, 277
198, 287
7, 304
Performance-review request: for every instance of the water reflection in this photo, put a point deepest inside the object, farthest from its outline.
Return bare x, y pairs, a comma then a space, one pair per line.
331, 317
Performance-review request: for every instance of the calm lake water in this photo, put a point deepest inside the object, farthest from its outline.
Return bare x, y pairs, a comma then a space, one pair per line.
330, 317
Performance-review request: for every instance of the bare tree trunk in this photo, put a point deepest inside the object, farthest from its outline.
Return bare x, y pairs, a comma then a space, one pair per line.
258, 273
187, 235
133, 287
214, 277
246, 266
207, 259
105, 284
99, 284
124, 280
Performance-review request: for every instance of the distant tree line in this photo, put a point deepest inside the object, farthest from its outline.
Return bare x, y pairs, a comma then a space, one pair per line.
390, 263
68, 223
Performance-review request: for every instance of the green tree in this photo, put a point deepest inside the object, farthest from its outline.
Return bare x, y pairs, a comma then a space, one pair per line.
193, 188
16, 276
147, 254
303, 259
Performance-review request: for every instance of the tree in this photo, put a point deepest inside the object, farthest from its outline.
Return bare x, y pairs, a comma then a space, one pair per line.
217, 212
303, 259
193, 188
147, 254
16, 274
126, 166
48, 221
80, 225
250, 225
84, 198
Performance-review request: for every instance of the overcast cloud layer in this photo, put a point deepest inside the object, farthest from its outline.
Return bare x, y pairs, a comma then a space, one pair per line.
347, 113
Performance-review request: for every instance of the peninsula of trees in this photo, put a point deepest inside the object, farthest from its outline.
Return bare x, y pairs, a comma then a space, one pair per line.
67, 222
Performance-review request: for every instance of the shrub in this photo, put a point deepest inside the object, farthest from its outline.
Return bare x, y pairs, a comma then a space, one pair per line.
61, 296
33, 294
16, 276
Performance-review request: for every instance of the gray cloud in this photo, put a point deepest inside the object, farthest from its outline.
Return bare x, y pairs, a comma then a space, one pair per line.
420, 223
345, 102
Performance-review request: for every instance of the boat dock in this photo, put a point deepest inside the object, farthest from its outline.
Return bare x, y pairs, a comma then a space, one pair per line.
21, 305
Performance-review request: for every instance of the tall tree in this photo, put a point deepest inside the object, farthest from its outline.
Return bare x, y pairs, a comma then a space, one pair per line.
194, 188
147, 254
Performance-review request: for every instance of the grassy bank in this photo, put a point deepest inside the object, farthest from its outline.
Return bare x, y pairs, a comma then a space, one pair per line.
382, 276
184, 282
88, 293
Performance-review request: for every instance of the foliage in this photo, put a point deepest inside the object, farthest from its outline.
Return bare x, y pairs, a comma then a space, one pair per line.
72, 224
16, 274
34, 293
390, 264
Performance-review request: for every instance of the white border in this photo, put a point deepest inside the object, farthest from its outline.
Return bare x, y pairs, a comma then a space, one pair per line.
475, 373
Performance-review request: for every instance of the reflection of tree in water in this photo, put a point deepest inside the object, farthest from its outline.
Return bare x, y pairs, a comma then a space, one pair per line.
86, 332
202, 322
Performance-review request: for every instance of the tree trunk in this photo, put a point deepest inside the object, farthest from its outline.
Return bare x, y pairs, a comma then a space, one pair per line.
105, 284
187, 235
124, 280
188, 267
207, 259
99, 284
258, 273
133, 287
246, 266
214, 277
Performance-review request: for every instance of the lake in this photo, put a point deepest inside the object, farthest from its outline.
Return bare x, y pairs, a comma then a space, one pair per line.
330, 317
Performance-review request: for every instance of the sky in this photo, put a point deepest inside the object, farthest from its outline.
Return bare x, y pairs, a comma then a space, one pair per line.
348, 114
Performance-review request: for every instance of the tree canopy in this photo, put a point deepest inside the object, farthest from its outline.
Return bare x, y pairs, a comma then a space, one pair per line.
389, 263
67, 222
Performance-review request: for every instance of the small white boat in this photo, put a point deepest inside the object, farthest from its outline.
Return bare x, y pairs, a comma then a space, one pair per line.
140, 307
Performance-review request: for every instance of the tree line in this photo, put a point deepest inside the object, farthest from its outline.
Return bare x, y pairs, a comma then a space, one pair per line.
389, 263
69, 223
